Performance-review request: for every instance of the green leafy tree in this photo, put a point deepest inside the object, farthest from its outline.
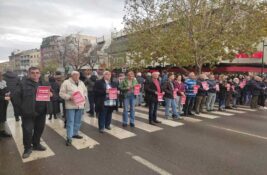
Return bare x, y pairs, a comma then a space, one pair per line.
193, 32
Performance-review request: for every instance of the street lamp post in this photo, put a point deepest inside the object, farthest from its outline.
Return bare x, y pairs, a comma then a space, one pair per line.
262, 60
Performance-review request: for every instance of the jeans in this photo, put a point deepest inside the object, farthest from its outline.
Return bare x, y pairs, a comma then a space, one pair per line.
222, 102
139, 99
189, 104
129, 100
248, 98
153, 107
235, 101
179, 104
170, 102
210, 101
32, 128
74, 119
104, 118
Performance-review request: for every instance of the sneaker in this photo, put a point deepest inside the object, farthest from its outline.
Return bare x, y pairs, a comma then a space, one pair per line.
26, 154
5, 134
108, 128
68, 142
151, 123
39, 148
124, 125
132, 125
101, 131
77, 137
156, 121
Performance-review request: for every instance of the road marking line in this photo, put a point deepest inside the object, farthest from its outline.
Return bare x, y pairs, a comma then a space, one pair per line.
191, 119
188, 119
16, 130
163, 121
58, 126
138, 124
149, 165
208, 116
239, 132
221, 113
246, 109
115, 131
235, 111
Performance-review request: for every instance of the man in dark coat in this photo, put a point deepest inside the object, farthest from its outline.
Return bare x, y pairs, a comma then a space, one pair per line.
103, 105
152, 89
33, 112
12, 81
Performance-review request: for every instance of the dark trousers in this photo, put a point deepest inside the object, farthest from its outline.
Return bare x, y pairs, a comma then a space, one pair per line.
228, 99
153, 107
254, 101
262, 99
91, 99
32, 129
15, 108
104, 117
189, 104
200, 101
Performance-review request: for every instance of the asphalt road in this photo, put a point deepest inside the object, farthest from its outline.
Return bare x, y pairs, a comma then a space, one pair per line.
220, 144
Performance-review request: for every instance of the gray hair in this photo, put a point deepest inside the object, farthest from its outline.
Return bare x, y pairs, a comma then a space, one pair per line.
75, 72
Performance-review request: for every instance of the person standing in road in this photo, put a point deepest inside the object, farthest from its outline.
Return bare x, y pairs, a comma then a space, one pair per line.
4, 98
190, 93
141, 81
12, 80
127, 88
33, 112
170, 97
211, 98
152, 89
74, 110
104, 105
90, 83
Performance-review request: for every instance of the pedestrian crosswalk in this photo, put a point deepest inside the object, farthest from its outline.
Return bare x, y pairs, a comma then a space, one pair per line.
117, 131
140, 125
85, 142
16, 130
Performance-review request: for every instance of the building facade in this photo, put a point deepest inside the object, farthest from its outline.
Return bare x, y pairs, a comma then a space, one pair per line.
56, 49
21, 61
4, 66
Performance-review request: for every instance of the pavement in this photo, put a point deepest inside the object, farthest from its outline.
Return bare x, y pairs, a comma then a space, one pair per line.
220, 143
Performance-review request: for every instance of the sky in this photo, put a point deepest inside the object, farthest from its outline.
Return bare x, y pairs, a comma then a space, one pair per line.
23, 23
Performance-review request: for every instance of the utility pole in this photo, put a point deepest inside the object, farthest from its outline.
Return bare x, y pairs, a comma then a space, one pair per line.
263, 53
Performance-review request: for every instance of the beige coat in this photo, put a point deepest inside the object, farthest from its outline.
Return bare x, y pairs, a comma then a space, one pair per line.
68, 88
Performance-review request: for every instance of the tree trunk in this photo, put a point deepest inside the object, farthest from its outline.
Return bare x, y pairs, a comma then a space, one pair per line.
198, 69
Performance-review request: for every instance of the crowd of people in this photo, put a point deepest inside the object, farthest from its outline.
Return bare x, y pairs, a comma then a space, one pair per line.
181, 95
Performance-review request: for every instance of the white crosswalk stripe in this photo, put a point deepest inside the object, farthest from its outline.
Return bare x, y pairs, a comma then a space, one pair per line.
242, 108
86, 142
140, 125
235, 111
163, 121
188, 119
208, 116
247, 109
221, 113
115, 131
16, 130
